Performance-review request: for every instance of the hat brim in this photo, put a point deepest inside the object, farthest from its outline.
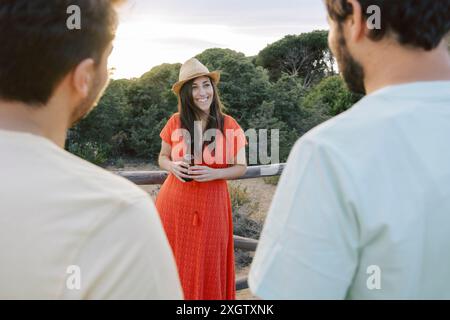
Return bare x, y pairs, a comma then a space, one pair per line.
215, 77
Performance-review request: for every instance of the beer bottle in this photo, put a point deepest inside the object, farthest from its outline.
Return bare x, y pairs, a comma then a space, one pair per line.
189, 159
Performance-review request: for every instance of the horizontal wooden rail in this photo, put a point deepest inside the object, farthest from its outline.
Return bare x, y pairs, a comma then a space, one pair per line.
245, 243
241, 283
158, 177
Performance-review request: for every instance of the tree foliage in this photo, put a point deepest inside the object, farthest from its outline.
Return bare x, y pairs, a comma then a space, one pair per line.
330, 97
306, 56
243, 86
286, 87
152, 103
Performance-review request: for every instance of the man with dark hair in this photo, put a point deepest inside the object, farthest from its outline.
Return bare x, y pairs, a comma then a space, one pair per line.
362, 209
68, 229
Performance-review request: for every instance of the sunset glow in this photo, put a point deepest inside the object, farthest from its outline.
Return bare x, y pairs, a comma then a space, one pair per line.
150, 35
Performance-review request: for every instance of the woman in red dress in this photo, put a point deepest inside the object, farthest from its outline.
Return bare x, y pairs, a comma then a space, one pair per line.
194, 203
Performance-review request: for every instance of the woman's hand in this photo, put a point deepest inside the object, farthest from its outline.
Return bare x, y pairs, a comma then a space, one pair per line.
180, 170
204, 173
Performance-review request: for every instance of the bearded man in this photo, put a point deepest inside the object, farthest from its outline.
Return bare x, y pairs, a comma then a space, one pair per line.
362, 209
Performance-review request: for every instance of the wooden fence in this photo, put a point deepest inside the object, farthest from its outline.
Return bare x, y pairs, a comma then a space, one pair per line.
158, 177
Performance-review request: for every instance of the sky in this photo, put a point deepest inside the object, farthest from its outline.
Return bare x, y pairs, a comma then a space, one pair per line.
153, 32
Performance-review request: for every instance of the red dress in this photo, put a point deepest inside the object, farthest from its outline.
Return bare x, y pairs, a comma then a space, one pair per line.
198, 220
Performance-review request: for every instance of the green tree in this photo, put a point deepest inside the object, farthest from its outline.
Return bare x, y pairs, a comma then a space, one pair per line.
131, 114
243, 86
96, 136
286, 94
329, 98
265, 119
306, 56
151, 104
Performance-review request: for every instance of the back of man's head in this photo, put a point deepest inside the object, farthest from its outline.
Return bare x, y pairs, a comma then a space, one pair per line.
38, 46
417, 23
383, 42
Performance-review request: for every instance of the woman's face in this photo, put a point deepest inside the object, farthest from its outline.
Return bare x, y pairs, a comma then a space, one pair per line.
203, 93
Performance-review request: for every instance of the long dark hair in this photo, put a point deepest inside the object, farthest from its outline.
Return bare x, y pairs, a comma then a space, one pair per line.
189, 112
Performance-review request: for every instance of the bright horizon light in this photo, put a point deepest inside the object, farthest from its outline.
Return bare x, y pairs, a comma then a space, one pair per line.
147, 38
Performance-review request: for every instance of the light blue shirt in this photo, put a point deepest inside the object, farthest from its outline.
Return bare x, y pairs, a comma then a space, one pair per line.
362, 210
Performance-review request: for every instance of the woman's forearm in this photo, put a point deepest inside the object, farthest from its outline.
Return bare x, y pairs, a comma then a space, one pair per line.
233, 172
164, 163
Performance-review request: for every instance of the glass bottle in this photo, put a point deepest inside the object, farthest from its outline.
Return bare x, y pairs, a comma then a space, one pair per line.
189, 159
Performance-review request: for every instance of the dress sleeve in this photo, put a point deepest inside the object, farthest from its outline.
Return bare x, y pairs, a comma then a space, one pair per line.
166, 132
236, 137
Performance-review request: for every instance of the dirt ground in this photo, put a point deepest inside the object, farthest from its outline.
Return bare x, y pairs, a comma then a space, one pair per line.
259, 192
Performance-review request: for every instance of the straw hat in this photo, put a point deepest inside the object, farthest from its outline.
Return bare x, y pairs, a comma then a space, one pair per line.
192, 69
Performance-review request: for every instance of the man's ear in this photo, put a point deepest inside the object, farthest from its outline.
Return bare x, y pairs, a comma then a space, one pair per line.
82, 77
356, 23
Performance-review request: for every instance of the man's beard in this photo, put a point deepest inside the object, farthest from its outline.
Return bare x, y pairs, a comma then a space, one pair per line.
351, 70
89, 103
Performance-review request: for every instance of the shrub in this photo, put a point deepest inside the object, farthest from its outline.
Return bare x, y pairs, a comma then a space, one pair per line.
91, 151
120, 163
243, 208
272, 180
243, 225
